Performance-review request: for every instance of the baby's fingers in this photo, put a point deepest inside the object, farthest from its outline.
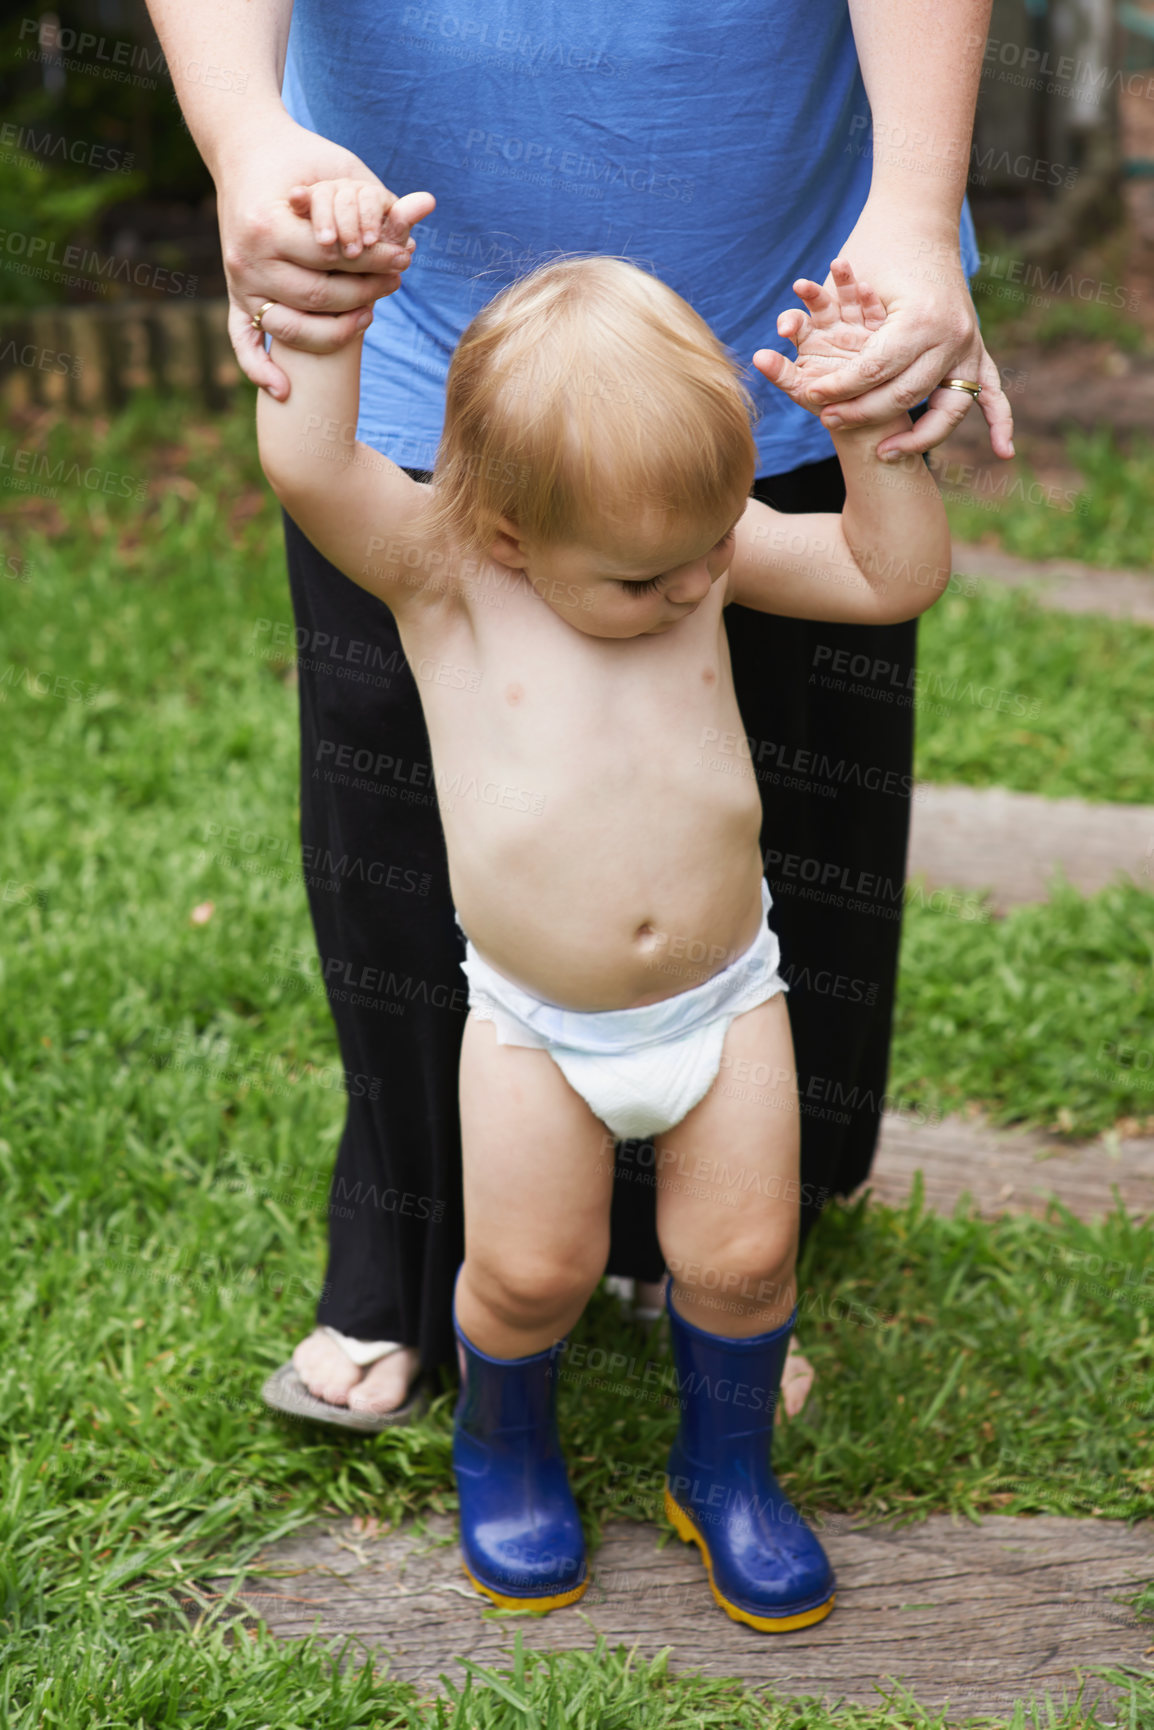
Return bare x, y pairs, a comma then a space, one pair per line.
848, 291
371, 201
778, 370
792, 325
872, 306
347, 214
821, 306
403, 216
316, 203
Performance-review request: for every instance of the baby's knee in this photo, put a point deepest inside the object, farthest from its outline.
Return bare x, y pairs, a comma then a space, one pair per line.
756, 1267
534, 1287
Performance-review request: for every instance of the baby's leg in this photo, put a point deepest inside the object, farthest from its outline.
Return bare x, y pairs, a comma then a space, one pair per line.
727, 1185
538, 1179
728, 1223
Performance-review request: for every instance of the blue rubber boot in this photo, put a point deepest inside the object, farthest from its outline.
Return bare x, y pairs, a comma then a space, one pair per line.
766, 1567
521, 1539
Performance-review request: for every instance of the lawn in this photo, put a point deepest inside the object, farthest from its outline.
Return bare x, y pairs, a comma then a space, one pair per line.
172, 1106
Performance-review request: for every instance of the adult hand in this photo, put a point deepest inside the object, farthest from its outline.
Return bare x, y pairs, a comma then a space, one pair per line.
930, 334
271, 254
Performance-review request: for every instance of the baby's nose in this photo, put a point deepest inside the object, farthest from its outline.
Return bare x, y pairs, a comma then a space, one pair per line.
692, 584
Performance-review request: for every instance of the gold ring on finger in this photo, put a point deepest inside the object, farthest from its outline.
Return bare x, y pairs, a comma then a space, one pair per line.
256, 322
966, 384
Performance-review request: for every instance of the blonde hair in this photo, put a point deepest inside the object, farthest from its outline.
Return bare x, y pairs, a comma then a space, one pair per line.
588, 390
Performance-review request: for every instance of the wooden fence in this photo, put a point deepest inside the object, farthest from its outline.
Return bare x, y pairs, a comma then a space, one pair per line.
97, 356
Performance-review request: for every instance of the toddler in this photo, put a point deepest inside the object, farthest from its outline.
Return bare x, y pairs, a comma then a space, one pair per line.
559, 590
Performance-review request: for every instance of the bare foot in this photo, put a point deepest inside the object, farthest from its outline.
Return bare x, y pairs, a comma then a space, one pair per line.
330, 1375
325, 1370
796, 1380
385, 1385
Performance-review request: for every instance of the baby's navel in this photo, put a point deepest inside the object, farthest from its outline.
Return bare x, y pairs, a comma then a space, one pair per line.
514, 693
645, 933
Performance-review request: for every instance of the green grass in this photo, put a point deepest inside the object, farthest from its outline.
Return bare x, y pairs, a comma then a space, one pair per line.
212, 1683
170, 1118
1045, 308
1042, 1017
1108, 521
1011, 695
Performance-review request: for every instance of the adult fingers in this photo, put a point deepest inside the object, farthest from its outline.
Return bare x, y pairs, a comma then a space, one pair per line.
995, 405
288, 239
314, 334
252, 356
889, 353
947, 407
316, 290
866, 391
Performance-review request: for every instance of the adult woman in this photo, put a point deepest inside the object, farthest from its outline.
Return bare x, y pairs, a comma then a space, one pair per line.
733, 153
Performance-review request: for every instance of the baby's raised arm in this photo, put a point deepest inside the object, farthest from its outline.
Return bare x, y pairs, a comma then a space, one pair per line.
886, 556
338, 491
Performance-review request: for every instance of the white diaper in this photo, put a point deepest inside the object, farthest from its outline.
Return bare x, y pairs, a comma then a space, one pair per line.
639, 1070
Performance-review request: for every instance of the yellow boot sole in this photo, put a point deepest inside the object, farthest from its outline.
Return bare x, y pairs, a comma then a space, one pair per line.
685, 1528
539, 1606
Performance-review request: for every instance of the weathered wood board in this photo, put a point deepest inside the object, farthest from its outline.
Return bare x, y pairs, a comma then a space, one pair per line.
1063, 585
1009, 1170
976, 1617
979, 838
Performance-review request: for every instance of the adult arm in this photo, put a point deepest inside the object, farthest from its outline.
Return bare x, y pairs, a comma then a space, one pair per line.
227, 62
921, 64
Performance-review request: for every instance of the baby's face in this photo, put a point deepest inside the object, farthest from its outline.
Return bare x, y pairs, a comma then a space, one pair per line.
627, 583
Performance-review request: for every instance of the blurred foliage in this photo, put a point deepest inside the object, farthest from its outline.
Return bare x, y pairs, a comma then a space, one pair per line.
50, 205
129, 107
1042, 305
1109, 524
84, 134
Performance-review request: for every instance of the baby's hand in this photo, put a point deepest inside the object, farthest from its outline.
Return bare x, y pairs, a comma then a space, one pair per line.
356, 214
833, 331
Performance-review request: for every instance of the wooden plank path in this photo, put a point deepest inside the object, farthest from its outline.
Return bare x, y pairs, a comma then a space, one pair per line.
987, 838
1063, 585
1010, 1170
973, 1617
1009, 843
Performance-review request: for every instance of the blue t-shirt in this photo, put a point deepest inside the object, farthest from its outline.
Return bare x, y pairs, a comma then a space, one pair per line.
727, 147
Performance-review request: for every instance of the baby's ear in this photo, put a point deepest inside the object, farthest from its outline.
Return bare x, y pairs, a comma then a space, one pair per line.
507, 547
